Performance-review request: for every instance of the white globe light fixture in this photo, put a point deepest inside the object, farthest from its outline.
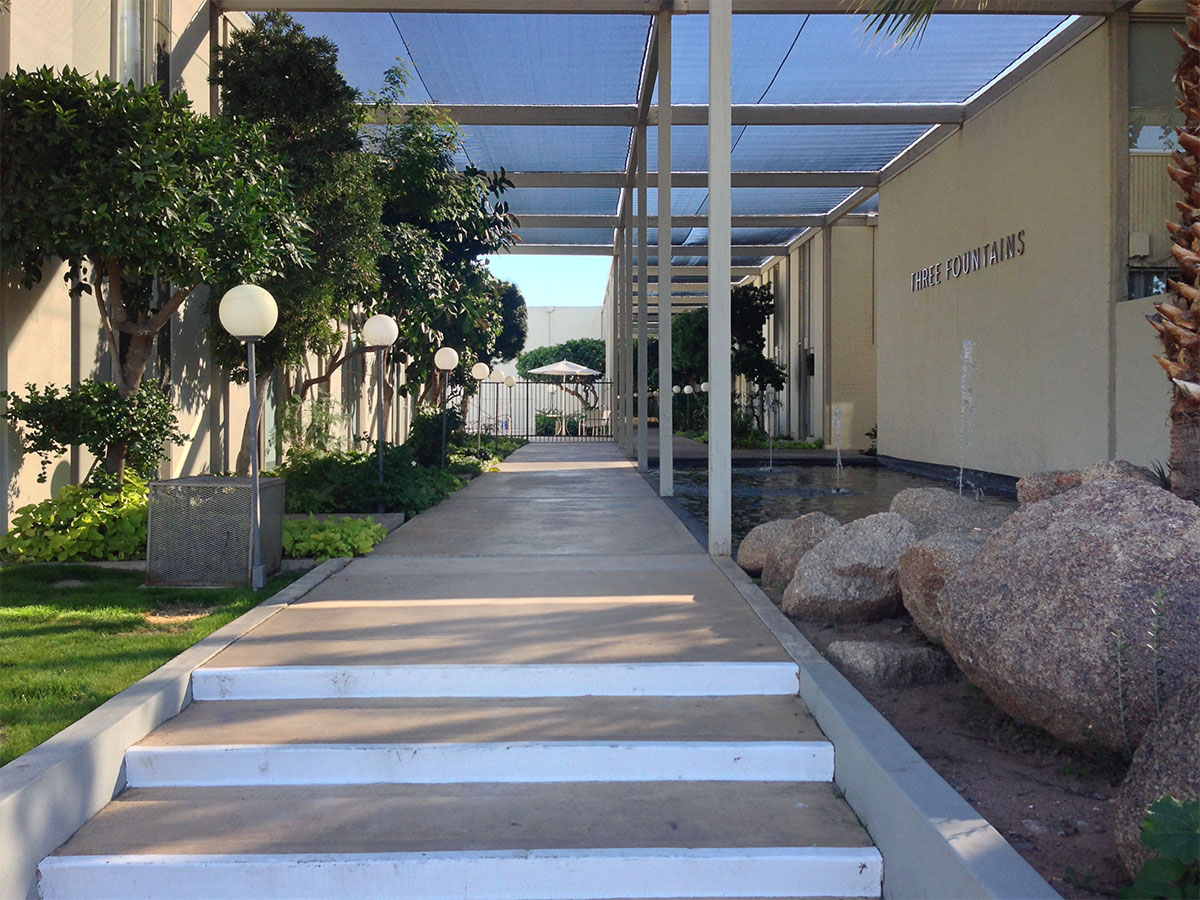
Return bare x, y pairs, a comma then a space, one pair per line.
380, 332
480, 371
249, 312
510, 381
444, 361
551, 389
687, 389
704, 386
674, 389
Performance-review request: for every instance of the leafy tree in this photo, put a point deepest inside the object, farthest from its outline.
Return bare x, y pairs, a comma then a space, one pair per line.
750, 306
1178, 320
514, 323
439, 222
95, 415
133, 190
275, 74
585, 351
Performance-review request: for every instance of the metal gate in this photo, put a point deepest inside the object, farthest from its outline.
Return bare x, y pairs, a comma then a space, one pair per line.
543, 411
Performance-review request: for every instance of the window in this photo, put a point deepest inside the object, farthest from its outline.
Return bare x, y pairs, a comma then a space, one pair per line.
143, 41
1148, 282
1153, 58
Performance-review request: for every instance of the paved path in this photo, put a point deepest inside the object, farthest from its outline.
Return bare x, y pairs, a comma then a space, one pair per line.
543, 687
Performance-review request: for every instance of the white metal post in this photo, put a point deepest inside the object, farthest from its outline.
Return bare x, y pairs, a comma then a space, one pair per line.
720, 124
643, 388
619, 346
257, 569
627, 360
666, 447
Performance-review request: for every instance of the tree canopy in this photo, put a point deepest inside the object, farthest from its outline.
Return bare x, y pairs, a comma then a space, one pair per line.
133, 189
750, 306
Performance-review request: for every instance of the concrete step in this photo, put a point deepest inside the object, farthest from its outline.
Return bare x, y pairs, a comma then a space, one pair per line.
465, 719
672, 679
514, 761
595, 840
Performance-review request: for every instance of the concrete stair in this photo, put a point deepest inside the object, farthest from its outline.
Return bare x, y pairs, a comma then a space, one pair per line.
679, 780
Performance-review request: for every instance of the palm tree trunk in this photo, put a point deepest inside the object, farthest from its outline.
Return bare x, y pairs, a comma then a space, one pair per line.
1178, 320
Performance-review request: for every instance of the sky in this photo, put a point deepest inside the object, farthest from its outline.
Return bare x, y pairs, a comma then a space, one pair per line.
555, 280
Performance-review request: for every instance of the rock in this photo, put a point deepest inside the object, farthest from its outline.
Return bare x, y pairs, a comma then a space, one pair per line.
890, 664
1166, 762
1032, 619
936, 509
1043, 485
1109, 469
853, 575
752, 552
925, 568
800, 536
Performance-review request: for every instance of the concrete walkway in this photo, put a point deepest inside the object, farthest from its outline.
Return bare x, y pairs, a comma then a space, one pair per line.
543, 687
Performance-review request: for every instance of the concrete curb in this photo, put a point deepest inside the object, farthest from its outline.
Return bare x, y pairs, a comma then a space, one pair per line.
934, 843
49, 792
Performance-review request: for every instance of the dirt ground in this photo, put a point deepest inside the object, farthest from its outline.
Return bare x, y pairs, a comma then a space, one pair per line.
1053, 804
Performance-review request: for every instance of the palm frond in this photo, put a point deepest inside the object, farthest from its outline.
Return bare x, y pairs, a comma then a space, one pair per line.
902, 20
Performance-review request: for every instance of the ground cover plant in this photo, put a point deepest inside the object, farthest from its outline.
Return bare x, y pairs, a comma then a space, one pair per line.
324, 539
72, 636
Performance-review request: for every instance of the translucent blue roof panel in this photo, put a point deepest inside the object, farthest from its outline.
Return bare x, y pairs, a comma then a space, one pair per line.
535, 148
368, 45
748, 201
563, 201
565, 235
831, 58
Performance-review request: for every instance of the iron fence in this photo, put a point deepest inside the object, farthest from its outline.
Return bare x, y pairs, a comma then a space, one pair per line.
537, 410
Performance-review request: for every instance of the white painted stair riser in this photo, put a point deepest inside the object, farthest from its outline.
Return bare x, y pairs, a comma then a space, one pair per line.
714, 679
492, 875
555, 761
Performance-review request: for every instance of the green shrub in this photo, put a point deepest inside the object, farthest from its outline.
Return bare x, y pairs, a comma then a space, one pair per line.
342, 536
348, 482
425, 438
545, 425
90, 521
94, 415
1172, 830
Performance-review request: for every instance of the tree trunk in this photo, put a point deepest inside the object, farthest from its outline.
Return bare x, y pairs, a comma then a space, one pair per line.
133, 370
1178, 320
243, 457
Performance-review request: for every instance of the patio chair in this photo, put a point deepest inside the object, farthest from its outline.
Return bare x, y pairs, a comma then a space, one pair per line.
595, 421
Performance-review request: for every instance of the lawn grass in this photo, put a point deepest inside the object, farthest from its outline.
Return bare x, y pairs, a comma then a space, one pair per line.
71, 636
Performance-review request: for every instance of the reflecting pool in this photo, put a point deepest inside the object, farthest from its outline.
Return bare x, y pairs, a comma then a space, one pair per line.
760, 495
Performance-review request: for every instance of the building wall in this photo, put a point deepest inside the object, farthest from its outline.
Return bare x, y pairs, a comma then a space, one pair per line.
1040, 321
550, 325
852, 345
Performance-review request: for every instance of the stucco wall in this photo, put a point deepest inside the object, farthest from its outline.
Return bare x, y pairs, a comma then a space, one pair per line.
852, 324
549, 325
1039, 320
1143, 392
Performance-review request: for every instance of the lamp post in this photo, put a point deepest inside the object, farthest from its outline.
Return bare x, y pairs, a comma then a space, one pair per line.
479, 372
248, 312
687, 404
444, 360
510, 382
380, 332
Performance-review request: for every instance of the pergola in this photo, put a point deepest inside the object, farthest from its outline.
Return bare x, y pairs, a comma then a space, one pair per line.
768, 121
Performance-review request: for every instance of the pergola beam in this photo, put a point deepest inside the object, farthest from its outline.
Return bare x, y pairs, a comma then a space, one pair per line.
577, 221
679, 7
740, 251
797, 179
627, 115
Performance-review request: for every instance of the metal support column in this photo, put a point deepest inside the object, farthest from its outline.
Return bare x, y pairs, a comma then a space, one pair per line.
628, 360
619, 356
720, 125
666, 455
643, 290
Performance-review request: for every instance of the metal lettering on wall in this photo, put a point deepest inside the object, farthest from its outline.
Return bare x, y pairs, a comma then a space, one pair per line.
1008, 247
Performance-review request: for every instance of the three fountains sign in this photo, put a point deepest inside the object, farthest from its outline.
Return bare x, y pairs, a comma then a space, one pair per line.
970, 261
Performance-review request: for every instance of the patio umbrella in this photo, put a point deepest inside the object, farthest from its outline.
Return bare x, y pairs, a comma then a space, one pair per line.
563, 367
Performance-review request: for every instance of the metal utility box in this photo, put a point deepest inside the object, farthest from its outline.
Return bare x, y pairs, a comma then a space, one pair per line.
199, 530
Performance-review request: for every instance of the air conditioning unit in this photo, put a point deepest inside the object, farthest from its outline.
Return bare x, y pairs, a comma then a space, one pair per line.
199, 530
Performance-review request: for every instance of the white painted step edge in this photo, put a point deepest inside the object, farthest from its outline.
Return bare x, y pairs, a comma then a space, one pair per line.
468, 875
550, 761
672, 679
